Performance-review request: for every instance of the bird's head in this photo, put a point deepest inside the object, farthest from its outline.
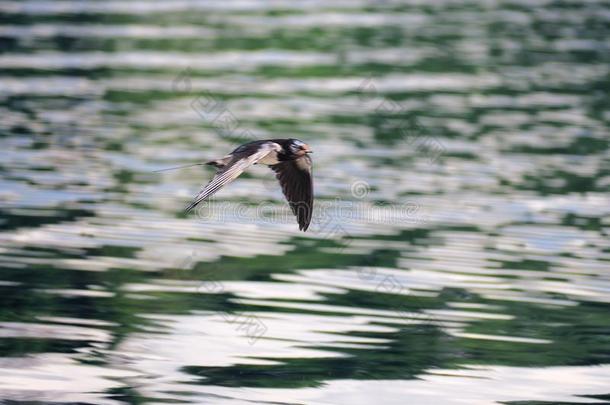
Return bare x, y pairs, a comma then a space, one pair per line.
299, 148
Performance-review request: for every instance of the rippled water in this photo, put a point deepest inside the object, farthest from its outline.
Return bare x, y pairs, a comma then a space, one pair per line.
459, 252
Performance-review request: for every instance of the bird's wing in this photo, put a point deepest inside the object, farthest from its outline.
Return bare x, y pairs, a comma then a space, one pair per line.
295, 177
234, 167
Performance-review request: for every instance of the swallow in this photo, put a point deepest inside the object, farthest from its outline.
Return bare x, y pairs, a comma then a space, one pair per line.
288, 158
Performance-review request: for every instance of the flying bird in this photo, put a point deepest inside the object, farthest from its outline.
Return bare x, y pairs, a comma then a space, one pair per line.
288, 158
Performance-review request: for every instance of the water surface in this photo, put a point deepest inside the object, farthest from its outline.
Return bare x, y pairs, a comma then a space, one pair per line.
459, 252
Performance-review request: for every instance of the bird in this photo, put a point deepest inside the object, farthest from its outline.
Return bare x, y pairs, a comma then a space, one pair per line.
288, 158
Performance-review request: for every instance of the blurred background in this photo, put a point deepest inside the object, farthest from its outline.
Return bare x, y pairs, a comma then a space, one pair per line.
459, 252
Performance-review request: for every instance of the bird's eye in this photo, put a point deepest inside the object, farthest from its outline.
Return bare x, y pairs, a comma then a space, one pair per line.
296, 146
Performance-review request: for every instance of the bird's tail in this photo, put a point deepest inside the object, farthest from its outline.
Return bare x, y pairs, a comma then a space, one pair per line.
215, 163
218, 163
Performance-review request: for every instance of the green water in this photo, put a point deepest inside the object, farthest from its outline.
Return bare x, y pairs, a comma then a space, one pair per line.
459, 252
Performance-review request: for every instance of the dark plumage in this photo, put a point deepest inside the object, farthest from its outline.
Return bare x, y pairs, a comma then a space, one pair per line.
288, 158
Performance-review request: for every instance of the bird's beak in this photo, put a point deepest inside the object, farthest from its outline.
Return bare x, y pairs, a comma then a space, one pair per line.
307, 149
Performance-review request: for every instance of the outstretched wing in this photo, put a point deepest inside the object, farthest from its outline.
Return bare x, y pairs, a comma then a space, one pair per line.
233, 168
297, 184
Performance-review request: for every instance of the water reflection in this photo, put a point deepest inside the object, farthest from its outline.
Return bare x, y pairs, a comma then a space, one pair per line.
492, 286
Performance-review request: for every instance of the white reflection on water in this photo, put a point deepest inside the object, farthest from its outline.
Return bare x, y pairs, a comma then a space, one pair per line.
57, 378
